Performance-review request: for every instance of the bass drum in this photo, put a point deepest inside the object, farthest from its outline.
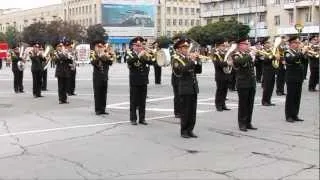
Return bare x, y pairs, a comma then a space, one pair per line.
163, 57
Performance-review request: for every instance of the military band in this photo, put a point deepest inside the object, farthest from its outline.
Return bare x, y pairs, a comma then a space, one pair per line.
234, 68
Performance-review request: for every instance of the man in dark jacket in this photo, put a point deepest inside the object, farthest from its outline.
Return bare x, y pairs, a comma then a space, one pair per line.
221, 77
294, 79
36, 69
314, 63
246, 83
185, 67
73, 68
100, 60
17, 72
62, 71
138, 61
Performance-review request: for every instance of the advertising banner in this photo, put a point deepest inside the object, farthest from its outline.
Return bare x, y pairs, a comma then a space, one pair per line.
129, 17
83, 53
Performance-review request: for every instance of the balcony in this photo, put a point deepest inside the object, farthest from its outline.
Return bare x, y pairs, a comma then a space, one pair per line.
291, 30
209, 1
305, 3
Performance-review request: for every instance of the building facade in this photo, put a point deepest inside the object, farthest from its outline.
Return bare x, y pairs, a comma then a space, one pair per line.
265, 17
23, 18
176, 16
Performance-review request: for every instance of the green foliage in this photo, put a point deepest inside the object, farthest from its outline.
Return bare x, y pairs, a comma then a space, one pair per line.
96, 32
163, 41
206, 35
12, 36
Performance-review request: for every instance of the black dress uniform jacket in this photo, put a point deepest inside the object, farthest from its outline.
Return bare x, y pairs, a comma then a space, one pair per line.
17, 74
139, 68
219, 64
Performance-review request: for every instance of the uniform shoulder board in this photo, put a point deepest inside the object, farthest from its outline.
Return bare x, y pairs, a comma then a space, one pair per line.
288, 53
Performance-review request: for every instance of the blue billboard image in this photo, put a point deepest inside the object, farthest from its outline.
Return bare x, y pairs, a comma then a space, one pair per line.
128, 15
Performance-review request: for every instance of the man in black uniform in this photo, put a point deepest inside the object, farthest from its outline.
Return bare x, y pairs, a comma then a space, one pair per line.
156, 67
246, 83
100, 60
73, 68
294, 79
314, 63
269, 73
44, 72
36, 69
281, 71
185, 67
138, 63
221, 77
17, 73
62, 71
258, 63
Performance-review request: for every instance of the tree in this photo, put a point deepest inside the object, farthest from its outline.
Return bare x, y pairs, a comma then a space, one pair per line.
35, 32
96, 32
163, 42
12, 36
2, 37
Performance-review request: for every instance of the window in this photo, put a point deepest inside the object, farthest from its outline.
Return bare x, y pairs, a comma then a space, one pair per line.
192, 11
308, 14
168, 10
174, 22
276, 20
198, 10
262, 17
180, 22
291, 17
174, 32
261, 2
174, 10
168, 22
186, 11
198, 22
246, 19
90, 9
169, 33
208, 21
277, 2
181, 11
186, 22
192, 22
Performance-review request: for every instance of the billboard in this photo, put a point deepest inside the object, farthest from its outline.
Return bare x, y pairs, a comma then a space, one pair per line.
129, 17
4, 50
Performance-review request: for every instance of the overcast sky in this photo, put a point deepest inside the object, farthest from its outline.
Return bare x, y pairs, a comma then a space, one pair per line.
26, 4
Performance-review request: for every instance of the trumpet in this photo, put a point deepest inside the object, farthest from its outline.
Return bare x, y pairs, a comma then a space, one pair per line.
310, 51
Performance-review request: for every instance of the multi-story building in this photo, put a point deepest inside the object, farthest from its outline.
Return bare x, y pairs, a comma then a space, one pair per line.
23, 18
265, 17
176, 16
83, 12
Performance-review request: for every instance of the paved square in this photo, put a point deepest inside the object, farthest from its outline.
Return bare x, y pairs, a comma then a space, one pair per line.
41, 139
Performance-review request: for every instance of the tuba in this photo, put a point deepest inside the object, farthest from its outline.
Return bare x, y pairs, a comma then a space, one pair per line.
21, 64
163, 57
46, 55
232, 48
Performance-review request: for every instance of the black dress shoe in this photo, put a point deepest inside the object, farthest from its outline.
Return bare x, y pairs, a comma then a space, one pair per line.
143, 122
21, 91
226, 109
219, 109
177, 116
72, 94
312, 90
298, 119
291, 120
184, 135
134, 123
251, 127
191, 134
266, 104
100, 113
243, 128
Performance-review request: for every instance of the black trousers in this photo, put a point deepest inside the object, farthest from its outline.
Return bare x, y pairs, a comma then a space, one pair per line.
176, 100
314, 78
246, 102
268, 85
188, 113
72, 82
138, 96
259, 67
305, 69
232, 81
221, 93
36, 79
293, 99
62, 88
0, 63
44, 80
100, 89
157, 74
17, 81
280, 79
